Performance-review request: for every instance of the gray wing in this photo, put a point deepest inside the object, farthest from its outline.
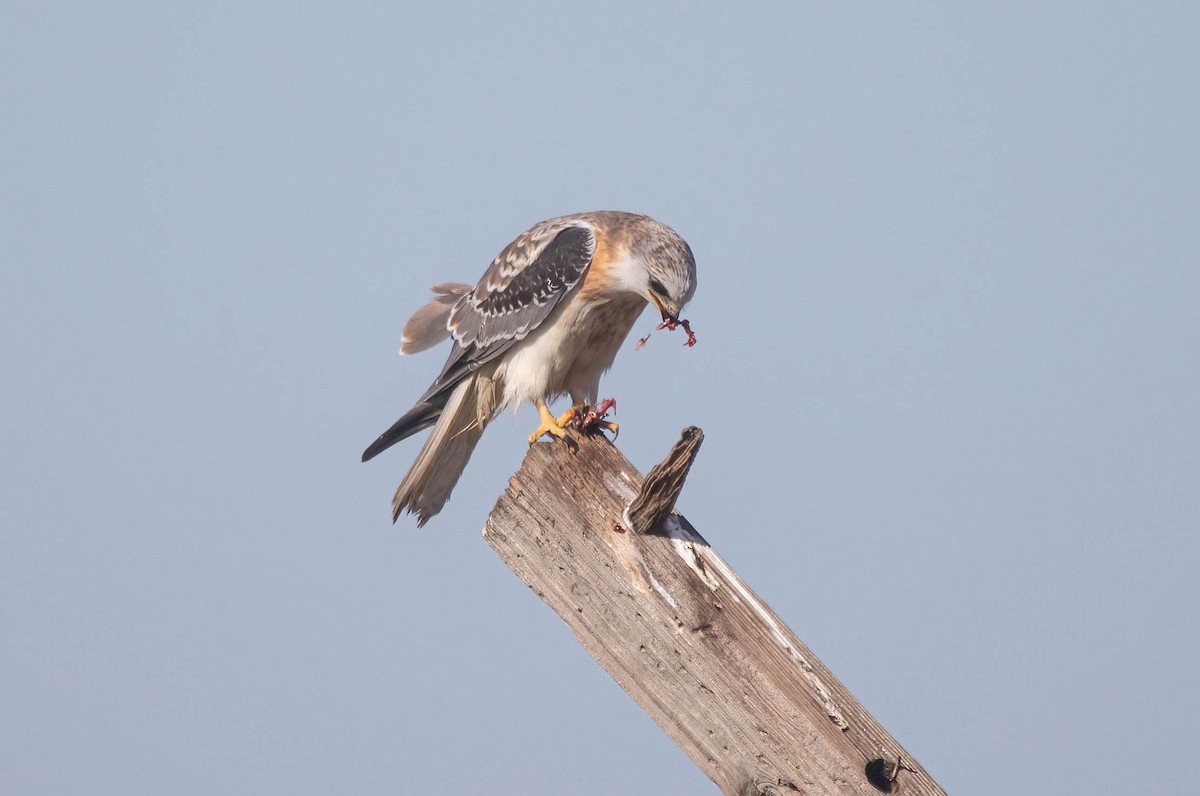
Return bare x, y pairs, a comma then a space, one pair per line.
520, 289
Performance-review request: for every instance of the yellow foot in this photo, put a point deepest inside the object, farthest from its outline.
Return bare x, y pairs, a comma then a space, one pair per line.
551, 426
607, 425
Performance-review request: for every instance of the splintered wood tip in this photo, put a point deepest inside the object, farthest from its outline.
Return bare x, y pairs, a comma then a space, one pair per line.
664, 482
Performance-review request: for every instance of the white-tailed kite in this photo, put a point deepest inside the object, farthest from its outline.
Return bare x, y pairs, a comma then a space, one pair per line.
545, 320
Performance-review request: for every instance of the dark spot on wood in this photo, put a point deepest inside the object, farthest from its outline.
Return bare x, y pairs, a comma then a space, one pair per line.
884, 774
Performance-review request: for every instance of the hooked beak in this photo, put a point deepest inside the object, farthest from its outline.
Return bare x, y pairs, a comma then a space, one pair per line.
668, 315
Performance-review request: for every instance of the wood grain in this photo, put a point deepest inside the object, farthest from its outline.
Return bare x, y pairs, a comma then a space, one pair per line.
676, 627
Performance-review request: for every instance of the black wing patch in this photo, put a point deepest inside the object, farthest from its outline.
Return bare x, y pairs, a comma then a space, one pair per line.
486, 323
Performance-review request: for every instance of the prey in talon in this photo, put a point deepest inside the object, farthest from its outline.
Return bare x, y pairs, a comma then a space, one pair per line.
594, 420
583, 419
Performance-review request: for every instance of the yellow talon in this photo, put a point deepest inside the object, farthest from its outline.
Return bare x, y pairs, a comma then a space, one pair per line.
549, 425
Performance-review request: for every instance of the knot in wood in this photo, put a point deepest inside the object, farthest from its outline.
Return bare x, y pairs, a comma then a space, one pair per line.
885, 775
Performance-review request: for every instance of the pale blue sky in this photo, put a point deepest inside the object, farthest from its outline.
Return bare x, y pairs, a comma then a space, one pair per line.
947, 371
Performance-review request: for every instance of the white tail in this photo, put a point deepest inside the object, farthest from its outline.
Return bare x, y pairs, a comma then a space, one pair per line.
444, 456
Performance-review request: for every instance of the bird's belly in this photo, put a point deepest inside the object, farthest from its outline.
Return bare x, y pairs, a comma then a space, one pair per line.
568, 355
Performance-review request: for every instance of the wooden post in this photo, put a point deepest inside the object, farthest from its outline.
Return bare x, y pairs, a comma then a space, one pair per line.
675, 626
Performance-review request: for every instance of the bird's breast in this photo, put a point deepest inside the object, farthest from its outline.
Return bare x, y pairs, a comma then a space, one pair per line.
568, 353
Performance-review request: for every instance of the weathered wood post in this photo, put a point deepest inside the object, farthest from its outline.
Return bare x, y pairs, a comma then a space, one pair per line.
676, 627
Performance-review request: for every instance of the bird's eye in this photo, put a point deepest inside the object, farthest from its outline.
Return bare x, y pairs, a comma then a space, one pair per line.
657, 288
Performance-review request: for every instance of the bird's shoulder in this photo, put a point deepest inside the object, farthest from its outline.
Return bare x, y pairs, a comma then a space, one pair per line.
525, 250
526, 281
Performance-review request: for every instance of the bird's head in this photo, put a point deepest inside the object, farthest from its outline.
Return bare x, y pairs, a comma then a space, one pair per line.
665, 272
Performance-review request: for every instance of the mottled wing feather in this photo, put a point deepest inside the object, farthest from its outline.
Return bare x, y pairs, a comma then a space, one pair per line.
523, 284
518, 292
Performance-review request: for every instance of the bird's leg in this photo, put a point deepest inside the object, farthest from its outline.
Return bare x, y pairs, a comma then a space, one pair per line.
572, 415
549, 425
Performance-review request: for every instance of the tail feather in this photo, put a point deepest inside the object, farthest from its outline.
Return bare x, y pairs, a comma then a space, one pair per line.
429, 325
443, 457
419, 418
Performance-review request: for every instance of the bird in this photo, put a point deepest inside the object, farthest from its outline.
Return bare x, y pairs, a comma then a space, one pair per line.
545, 320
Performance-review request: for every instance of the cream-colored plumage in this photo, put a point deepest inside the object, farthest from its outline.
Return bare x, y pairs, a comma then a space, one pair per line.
546, 319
